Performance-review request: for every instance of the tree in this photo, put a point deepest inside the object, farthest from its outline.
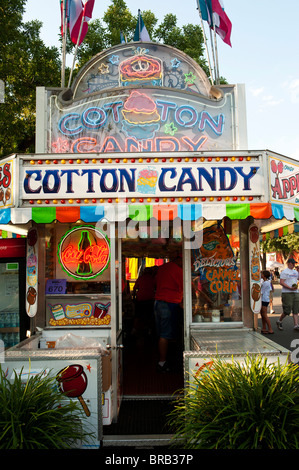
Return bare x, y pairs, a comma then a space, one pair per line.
118, 19
285, 245
25, 63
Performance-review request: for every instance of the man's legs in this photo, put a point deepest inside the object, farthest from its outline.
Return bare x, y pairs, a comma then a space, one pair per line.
163, 348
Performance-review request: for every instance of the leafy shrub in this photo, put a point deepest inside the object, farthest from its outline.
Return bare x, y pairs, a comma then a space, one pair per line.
254, 405
36, 415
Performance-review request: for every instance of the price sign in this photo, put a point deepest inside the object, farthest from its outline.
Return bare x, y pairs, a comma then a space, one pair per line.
56, 286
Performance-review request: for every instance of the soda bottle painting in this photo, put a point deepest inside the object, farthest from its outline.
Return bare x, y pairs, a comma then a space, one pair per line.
84, 252
84, 268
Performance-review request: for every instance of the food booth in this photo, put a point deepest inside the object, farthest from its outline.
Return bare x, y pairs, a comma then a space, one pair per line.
140, 159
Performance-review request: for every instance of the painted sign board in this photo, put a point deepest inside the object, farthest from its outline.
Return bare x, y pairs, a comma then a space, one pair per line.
254, 269
79, 379
32, 272
283, 180
7, 182
174, 175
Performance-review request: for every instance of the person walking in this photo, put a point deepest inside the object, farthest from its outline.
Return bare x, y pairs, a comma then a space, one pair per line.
144, 298
266, 291
168, 297
271, 294
289, 293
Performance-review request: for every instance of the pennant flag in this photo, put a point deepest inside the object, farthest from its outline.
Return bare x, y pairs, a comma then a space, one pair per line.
63, 5
205, 7
141, 33
79, 15
221, 22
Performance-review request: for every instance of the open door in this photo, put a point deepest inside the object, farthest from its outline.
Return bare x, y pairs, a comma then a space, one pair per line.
140, 354
142, 396
116, 323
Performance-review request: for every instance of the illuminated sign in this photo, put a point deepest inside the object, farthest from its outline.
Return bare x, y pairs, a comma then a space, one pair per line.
138, 121
155, 99
84, 252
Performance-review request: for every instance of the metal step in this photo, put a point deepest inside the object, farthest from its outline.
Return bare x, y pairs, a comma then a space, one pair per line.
138, 441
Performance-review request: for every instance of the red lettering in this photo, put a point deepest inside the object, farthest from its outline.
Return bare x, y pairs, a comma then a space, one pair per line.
293, 184
276, 189
92, 254
6, 180
286, 187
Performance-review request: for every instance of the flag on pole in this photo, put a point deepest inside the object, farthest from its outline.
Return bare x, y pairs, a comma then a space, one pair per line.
221, 22
141, 33
63, 10
205, 7
79, 14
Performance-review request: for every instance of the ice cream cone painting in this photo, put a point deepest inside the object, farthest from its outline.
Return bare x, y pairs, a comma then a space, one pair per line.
140, 116
147, 181
32, 272
254, 269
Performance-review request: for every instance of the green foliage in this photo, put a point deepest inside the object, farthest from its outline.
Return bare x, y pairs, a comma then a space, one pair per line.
240, 406
285, 244
36, 415
25, 63
118, 19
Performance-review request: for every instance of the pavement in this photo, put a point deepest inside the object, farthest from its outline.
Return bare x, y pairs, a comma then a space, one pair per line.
288, 337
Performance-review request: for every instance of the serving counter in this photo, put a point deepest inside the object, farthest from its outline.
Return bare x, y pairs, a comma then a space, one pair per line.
228, 345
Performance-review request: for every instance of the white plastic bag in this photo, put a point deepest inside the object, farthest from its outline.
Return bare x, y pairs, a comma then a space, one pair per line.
70, 341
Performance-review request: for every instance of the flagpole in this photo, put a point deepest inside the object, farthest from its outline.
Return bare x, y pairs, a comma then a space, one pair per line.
76, 49
139, 23
213, 53
216, 55
205, 41
64, 26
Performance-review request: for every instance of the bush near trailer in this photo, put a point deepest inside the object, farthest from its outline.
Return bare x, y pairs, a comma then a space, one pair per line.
253, 405
36, 415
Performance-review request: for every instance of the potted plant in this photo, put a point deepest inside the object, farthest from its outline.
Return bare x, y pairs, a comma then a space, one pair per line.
36, 415
249, 405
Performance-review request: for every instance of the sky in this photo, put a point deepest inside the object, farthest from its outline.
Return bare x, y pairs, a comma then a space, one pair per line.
264, 57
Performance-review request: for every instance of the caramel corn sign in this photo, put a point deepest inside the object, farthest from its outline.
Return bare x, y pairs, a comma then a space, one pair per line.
84, 252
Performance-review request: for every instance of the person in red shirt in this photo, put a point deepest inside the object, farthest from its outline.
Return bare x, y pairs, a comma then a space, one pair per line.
168, 298
144, 298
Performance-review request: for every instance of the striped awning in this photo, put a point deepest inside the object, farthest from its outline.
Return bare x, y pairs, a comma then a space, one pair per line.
280, 232
143, 212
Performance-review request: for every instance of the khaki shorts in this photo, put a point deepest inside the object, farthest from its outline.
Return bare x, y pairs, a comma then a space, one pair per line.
290, 302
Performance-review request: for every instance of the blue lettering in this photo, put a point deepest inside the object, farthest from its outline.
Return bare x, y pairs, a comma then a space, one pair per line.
210, 179
161, 183
65, 127
187, 173
103, 186
29, 174
69, 179
248, 177
56, 180
223, 179
90, 173
129, 179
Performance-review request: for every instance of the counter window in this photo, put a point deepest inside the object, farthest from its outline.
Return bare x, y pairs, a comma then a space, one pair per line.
77, 286
215, 269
